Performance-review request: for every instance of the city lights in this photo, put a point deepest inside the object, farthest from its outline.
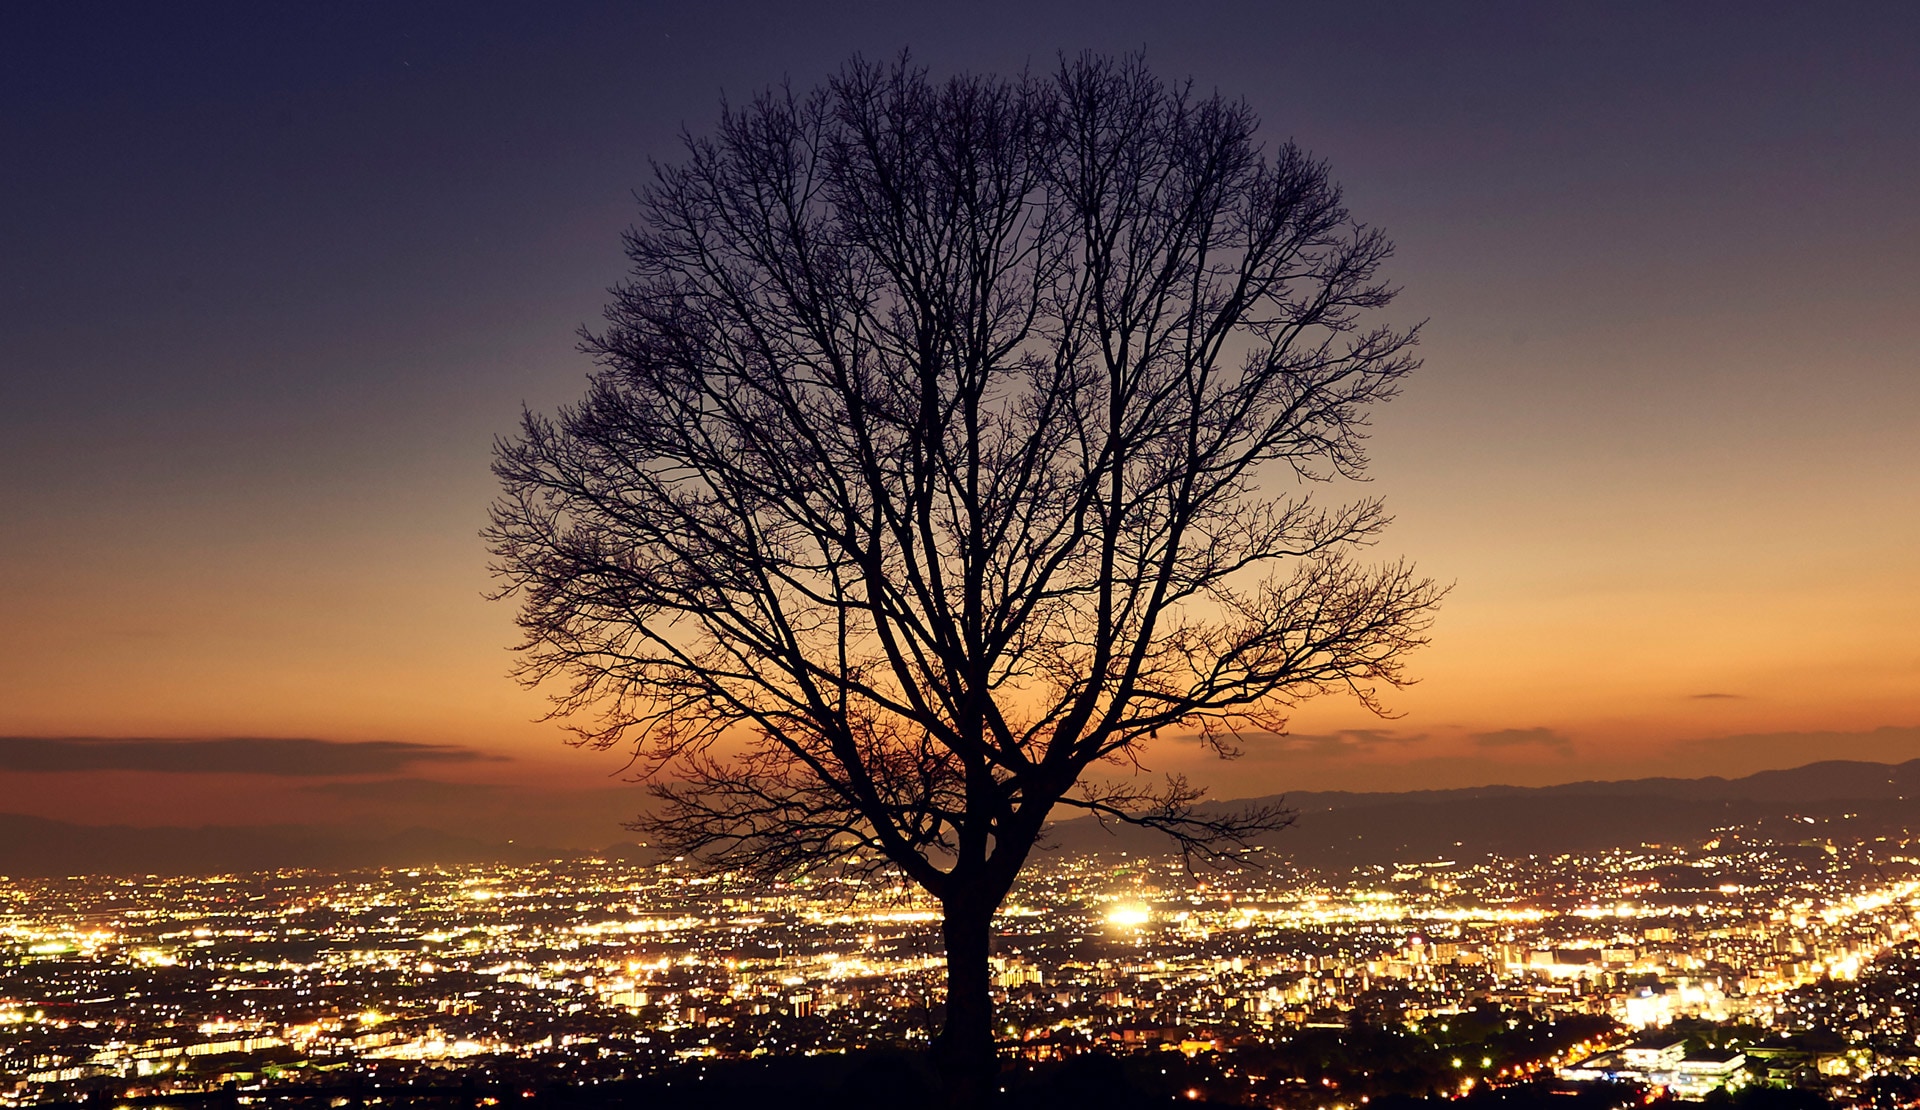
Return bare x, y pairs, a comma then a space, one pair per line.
1505, 969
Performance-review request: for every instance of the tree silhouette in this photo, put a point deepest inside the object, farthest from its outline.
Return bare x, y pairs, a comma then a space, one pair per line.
949, 441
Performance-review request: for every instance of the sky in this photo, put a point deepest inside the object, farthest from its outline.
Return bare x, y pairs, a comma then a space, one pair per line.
272, 278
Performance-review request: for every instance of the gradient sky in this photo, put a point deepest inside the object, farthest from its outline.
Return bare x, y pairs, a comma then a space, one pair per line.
271, 280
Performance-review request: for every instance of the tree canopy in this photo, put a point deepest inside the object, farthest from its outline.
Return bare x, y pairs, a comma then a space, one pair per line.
950, 440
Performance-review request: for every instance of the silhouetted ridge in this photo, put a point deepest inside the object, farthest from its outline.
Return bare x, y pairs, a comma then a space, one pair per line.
1335, 828
1341, 828
39, 847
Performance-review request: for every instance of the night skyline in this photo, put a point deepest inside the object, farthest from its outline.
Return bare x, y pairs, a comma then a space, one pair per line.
277, 281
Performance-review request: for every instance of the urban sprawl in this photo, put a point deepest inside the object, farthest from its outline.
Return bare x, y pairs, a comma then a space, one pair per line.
1683, 970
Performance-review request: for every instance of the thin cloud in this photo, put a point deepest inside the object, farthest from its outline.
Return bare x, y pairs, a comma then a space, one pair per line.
1381, 736
1340, 741
1524, 738
284, 756
1716, 697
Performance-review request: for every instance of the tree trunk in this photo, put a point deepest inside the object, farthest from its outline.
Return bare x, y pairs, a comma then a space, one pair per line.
963, 1052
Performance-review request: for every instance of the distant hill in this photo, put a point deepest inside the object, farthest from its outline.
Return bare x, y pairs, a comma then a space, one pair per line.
35, 847
1334, 828
1337, 828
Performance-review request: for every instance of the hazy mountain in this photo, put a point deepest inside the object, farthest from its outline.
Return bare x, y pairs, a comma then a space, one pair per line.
37, 847
1344, 828
1333, 828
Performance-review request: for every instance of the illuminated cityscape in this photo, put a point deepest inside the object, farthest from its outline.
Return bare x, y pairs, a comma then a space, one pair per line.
997, 556
1731, 962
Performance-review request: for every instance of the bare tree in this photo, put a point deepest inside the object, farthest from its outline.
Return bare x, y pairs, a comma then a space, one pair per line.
950, 440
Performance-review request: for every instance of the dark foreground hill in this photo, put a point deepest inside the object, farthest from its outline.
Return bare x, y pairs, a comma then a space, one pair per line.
1334, 829
892, 1080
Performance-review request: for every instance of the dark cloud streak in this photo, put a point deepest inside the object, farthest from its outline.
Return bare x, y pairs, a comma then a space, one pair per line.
284, 756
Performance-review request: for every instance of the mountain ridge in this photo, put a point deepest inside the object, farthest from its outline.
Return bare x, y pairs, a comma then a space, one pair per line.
1821, 780
1332, 828
1345, 828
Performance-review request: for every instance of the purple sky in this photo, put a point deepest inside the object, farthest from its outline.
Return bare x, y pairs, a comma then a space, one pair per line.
273, 278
